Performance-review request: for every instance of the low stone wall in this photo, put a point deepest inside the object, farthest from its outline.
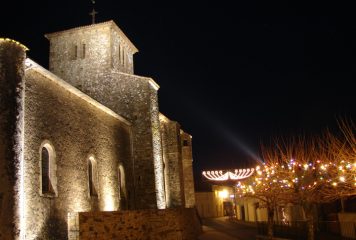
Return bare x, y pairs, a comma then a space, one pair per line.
167, 224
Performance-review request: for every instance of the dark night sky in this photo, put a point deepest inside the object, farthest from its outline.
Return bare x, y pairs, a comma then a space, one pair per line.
232, 75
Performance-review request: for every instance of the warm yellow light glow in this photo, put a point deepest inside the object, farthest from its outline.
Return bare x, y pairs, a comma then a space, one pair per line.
157, 152
109, 202
342, 179
223, 194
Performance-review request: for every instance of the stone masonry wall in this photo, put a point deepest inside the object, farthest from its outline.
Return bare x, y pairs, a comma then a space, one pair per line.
167, 224
76, 130
12, 56
187, 159
90, 49
66, 53
100, 76
121, 58
130, 96
172, 157
157, 149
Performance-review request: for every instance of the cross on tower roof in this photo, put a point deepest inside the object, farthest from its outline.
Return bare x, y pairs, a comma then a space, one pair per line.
92, 14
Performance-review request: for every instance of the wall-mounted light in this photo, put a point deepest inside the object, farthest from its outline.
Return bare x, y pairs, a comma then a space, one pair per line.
223, 194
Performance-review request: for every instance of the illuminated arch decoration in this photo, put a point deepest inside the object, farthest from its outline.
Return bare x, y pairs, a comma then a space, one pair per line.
219, 175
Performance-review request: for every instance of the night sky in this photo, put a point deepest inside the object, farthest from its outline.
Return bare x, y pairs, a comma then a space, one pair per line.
233, 75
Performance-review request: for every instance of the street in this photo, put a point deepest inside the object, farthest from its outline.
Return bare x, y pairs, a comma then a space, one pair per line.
225, 229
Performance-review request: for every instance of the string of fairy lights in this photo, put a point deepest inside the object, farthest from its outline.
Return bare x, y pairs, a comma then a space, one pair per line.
306, 177
321, 178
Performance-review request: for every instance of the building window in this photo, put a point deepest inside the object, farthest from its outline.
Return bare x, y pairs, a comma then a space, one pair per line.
83, 50
92, 177
74, 52
119, 53
123, 57
122, 183
46, 183
185, 143
48, 170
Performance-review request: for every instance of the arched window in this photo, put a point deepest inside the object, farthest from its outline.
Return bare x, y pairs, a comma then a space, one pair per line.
48, 170
122, 183
46, 182
122, 187
92, 176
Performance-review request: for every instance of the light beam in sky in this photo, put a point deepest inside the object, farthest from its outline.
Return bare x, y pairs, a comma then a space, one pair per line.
223, 130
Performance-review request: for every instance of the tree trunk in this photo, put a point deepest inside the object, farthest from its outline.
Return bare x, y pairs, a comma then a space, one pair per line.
311, 228
270, 212
308, 210
342, 203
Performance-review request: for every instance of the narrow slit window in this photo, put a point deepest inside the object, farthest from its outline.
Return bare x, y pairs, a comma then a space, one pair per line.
74, 52
124, 58
47, 171
120, 54
83, 50
92, 177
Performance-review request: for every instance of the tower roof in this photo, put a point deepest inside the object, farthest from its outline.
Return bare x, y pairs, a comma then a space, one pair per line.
110, 23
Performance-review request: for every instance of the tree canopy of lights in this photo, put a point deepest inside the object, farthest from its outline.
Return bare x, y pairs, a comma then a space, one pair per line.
305, 171
267, 186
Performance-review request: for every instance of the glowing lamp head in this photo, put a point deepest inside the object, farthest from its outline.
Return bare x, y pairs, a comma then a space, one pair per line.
223, 194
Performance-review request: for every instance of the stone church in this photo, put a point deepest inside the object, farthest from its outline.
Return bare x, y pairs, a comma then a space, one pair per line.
84, 136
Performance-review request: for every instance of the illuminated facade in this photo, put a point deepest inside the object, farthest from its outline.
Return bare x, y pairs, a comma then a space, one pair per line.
85, 135
217, 203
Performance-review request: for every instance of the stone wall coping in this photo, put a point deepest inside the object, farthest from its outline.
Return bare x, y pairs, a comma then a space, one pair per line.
165, 119
185, 133
30, 64
148, 79
110, 23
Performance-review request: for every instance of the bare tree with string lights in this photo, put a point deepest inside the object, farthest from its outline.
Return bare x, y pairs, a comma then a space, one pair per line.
339, 164
316, 170
305, 172
268, 186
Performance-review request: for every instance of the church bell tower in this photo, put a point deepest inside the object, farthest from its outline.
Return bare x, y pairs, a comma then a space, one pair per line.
78, 54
